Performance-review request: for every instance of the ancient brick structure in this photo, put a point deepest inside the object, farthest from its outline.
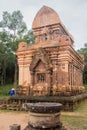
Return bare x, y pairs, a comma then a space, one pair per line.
50, 66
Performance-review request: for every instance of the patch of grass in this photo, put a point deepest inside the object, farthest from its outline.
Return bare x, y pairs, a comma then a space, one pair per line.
76, 120
85, 85
4, 90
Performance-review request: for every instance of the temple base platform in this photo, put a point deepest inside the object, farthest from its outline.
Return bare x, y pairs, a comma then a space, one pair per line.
69, 103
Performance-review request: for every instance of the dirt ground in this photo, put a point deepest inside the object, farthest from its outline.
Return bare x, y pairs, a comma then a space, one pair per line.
9, 118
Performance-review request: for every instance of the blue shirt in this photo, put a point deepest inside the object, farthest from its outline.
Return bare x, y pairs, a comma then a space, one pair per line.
12, 92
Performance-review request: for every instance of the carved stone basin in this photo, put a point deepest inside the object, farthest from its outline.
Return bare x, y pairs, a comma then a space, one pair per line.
44, 107
44, 116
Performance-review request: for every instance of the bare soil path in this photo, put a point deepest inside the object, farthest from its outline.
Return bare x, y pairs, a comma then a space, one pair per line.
9, 118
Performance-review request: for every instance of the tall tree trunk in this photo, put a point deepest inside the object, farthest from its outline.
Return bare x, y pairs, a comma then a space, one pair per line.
2, 79
4, 69
15, 75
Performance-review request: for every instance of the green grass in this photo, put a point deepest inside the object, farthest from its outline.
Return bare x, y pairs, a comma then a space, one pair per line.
76, 120
85, 86
4, 91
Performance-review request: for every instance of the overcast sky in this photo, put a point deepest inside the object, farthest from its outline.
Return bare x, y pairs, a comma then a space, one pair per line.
73, 14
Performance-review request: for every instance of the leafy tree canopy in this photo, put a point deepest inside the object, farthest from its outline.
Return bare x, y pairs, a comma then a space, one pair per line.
13, 22
12, 31
84, 52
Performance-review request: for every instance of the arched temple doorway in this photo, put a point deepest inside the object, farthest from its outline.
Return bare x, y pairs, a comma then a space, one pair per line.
41, 72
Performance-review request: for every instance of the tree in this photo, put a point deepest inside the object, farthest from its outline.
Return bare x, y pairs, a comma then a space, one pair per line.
14, 22
29, 37
84, 52
12, 31
4, 49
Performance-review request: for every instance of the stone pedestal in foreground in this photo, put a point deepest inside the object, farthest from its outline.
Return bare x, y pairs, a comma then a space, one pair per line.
44, 116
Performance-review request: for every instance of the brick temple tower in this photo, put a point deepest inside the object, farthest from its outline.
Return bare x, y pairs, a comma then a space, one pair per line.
50, 66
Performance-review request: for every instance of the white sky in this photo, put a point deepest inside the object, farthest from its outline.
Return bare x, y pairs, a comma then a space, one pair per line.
73, 14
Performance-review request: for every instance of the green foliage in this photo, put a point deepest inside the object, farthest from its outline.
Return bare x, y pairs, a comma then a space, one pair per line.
84, 52
14, 22
85, 85
4, 90
29, 37
6, 55
12, 31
